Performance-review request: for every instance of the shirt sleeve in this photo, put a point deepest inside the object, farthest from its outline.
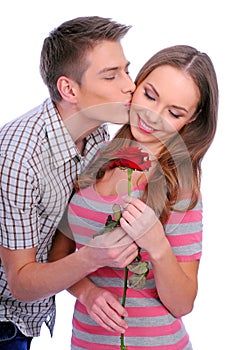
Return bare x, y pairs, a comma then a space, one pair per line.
184, 233
64, 226
18, 205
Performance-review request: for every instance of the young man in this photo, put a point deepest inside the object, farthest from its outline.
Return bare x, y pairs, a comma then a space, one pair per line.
83, 65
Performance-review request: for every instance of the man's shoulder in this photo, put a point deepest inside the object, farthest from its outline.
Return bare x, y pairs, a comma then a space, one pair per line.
31, 122
23, 134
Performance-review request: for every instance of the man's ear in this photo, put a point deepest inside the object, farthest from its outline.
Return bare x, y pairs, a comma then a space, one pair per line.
68, 89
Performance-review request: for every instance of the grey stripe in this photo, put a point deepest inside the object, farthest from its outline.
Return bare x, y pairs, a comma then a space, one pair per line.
154, 321
187, 250
118, 282
187, 228
99, 205
183, 204
83, 222
132, 341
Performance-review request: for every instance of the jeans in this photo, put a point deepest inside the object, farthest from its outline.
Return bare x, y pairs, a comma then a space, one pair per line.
12, 339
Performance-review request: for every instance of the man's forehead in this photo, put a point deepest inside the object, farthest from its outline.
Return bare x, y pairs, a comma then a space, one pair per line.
106, 56
114, 68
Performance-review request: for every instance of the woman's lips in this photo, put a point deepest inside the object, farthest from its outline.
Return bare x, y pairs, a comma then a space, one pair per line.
144, 127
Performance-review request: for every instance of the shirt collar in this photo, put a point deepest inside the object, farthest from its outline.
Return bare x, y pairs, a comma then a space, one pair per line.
62, 146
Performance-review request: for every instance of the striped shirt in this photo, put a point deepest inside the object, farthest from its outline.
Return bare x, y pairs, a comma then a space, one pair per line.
39, 162
151, 325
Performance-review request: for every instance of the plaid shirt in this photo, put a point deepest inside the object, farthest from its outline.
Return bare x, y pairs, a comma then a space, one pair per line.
39, 162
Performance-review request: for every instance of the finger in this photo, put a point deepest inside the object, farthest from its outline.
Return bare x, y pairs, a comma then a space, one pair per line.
125, 241
109, 324
114, 320
128, 216
135, 202
116, 305
117, 236
101, 323
110, 319
126, 227
128, 255
112, 239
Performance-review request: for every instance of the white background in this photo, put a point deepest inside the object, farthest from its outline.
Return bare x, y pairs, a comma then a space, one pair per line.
205, 24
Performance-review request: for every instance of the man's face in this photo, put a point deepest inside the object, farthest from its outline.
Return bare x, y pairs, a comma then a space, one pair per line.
106, 84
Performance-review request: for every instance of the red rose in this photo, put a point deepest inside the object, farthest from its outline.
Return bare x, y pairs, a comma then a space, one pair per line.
131, 157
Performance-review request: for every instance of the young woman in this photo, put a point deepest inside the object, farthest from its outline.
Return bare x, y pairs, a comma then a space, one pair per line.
173, 121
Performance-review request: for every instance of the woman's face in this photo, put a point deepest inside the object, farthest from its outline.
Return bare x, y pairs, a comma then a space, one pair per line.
162, 104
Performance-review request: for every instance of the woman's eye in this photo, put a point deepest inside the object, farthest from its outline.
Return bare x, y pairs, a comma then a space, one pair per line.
175, 115
149, 96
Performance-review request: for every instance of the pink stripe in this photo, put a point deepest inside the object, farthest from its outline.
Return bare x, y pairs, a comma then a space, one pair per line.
87, 345
149, 311
186, 239
185, 217
87, 213
115, 273
133, 312
108, 273
184, 258
82, 231
90, 329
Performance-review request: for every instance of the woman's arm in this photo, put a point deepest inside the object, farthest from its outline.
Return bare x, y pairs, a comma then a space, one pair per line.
176, 282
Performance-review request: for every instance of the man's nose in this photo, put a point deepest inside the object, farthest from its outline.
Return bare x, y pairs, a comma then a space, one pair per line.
129, 85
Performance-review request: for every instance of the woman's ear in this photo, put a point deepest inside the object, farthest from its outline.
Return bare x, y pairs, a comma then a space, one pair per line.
68, 89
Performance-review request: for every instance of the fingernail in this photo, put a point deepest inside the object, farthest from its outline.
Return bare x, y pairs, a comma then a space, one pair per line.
126, 198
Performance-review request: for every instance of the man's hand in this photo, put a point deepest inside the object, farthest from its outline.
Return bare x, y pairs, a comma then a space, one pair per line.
104, 308
115, 249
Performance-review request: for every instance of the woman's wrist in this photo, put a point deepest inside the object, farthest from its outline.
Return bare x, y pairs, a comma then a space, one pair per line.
160, 252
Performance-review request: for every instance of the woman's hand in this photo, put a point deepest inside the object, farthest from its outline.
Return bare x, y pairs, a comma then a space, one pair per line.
141, 224
176, 282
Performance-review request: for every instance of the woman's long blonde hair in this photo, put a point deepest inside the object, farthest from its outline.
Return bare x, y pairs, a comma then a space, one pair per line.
178, 174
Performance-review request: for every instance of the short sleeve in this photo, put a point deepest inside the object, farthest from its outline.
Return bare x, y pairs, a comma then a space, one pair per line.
184, 233
18, 206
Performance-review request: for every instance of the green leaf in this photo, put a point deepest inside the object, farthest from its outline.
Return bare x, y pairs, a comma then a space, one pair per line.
109, 226
109, 220
116, 212
102, 231
137, 281
139, 267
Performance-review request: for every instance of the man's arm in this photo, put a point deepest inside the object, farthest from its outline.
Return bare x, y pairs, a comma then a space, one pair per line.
102, 305
29, 280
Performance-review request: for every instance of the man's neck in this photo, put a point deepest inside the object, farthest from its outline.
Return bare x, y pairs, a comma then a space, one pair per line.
77, 125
